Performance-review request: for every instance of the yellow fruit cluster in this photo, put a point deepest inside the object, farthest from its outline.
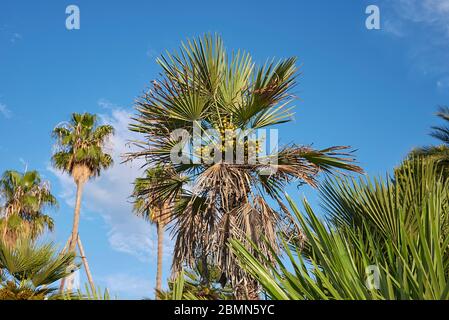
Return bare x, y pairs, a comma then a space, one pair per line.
229, 142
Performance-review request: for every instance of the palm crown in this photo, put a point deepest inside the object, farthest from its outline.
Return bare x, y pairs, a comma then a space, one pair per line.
81, 144
25, 196
203, 87
439, 153
144, 205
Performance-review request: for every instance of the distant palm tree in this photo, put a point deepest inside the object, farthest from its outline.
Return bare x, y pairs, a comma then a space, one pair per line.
24, 197
154, 211
438, 153
202, 87
80, 153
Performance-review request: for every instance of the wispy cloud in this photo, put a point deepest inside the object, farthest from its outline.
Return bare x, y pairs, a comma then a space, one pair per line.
128, 284
15, 37
433, 13
395, 28
151, 53
425, 24
443, 84
4, 111
106, 104
109, 194
8, 35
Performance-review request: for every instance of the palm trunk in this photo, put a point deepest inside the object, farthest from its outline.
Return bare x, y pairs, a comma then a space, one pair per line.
76, 221
160, 248
76, 217
86, 266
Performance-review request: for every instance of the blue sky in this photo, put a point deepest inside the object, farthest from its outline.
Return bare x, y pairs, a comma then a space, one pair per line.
376, 90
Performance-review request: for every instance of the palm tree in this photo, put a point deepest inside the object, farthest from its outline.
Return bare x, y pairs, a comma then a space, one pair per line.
156, 212
439, 153
80, 153
24, 196
28, 270
203, 89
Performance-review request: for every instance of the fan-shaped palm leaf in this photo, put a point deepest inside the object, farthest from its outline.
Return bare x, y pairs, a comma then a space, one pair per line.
204, 88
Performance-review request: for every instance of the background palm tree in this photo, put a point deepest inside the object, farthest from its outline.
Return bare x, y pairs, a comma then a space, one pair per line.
438, 153
24, 197
152, 210
80, 153
202, 86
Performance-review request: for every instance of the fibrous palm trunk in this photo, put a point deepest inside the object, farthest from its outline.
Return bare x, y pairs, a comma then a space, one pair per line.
160, 248
86, 265
80, 175
76, 217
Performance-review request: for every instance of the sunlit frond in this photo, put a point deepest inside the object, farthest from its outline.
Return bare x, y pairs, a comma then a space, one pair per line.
205, 93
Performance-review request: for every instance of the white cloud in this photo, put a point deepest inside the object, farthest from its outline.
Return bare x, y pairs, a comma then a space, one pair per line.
4, 111
109, 194
106, 104
429, 12
15, 37
395, 28
128, 284
425, 23
6, 34
443, 83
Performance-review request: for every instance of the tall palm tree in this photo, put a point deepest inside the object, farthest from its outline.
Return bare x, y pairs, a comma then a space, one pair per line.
202, 87
438, 153
80, 153
24, 197
156, 212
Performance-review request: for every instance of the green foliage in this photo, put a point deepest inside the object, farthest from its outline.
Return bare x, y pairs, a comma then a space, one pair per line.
24, 197
192, 285
144, 204
28, 270
80, 142
204, 87
177, 290
398, 225
438, 153
88, 294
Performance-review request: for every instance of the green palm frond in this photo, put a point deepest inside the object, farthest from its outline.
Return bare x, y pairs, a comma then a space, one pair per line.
29, 269
438, 153
397, 226
87, 294
25, 196
81, 143
203, 87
